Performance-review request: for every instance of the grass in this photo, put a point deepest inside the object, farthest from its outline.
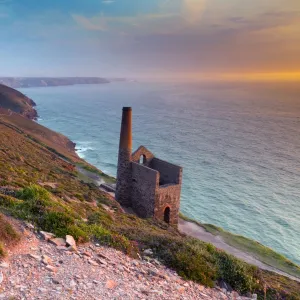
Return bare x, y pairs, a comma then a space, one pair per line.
256, 249
93, 170
8, 235
70, 209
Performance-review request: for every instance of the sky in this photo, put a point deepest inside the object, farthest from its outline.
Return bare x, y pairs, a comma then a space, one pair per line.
204, 39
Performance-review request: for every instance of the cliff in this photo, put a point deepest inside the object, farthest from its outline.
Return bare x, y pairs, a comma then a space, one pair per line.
40, 184
15, 101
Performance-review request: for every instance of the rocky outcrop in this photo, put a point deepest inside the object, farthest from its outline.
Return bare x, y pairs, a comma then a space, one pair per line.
15, 101
30, 114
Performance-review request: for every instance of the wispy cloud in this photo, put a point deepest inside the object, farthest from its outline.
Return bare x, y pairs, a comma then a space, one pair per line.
97, 24
100, 22
108, 1
193, 10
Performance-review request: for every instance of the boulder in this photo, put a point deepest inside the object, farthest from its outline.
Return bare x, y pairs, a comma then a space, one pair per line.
51, 268
93, 263
111, 284
101, 261
4, 265
47, 235
58, 242
148, 252
71, 242
46, 260
36, 257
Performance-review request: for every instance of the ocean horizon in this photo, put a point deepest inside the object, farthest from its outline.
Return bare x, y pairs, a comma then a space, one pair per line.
238, 145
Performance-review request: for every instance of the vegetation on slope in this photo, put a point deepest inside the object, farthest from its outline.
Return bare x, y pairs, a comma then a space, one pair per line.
261, 252
8, 234
17, 102
45, 190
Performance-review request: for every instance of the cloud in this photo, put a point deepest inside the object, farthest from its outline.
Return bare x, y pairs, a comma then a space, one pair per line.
193, 10
108, 1
95, 24
135, 24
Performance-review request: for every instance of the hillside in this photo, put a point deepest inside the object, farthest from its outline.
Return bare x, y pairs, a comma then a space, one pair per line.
40, 184
15, 101
23, 82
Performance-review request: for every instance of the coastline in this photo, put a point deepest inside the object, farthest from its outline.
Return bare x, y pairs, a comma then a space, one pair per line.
91, 174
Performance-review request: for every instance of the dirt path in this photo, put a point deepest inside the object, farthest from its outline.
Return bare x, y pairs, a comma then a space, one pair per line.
200, 233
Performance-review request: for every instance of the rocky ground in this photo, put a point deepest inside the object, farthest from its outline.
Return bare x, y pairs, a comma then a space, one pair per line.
41, 269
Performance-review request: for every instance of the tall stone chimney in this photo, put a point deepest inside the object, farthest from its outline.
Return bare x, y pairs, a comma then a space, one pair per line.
123, 188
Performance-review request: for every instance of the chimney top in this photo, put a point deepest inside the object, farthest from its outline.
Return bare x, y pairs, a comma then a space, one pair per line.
127, 108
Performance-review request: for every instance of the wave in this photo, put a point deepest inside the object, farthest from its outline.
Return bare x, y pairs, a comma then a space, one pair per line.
82, 147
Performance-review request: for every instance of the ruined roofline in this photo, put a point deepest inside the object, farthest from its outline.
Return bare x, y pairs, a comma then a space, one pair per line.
168, 163
142, 151
157, 176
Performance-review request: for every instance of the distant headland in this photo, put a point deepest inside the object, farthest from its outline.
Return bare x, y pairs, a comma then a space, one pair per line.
24, 82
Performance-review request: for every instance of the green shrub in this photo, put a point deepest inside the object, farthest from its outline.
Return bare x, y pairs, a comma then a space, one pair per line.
55, 222
33, 192
100, 217
80, 233
9, 202
8, 234
2, 251
236, 273
115, 240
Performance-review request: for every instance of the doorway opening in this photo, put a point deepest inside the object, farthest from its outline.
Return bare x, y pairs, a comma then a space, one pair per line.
167, 215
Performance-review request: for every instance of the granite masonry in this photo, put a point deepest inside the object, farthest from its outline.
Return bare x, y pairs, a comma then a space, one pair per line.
150, 186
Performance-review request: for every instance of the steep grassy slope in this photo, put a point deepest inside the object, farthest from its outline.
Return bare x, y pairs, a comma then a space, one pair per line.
42, 135
40, 185
17, 102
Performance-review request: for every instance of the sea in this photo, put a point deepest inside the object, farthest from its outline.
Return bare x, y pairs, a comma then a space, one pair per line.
238, 144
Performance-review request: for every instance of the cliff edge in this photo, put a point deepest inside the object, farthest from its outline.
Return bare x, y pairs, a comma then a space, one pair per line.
17, 102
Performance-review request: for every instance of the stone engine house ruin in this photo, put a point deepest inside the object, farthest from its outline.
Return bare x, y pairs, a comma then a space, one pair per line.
150, 186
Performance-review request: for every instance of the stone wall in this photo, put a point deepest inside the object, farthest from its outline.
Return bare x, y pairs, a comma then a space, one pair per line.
169, 173
144, 183
168, 196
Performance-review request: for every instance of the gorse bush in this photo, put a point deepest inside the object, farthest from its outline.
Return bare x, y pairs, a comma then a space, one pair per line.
34, 193
8, 234
2, 251
236, 273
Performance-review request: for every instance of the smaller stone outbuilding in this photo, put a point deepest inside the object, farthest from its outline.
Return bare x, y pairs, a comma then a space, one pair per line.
149, 185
